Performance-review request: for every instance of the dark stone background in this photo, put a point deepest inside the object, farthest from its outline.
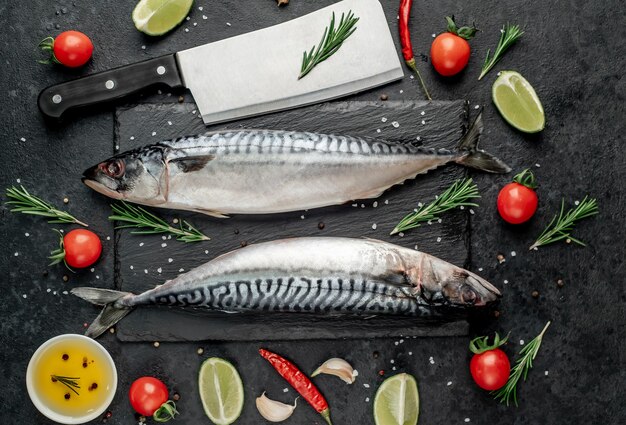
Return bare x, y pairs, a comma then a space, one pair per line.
572, 53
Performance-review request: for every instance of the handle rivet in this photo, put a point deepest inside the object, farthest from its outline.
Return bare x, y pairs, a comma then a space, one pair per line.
161, 70
57, 98
109, 84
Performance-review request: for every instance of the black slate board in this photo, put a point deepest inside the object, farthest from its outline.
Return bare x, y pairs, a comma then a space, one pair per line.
144, 262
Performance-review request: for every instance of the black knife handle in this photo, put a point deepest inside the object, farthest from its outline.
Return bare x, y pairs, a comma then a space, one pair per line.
109, 85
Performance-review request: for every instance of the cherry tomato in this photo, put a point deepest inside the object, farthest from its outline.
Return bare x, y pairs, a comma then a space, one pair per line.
82, 248
70, 48
490, 369
517, 201
450, 50
490, 366
147, 395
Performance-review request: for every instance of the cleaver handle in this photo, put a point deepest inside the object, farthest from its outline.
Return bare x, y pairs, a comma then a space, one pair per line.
109, 85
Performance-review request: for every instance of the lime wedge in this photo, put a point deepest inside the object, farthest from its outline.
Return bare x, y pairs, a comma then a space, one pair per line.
221, 391
518, 103
397, 401
156, 17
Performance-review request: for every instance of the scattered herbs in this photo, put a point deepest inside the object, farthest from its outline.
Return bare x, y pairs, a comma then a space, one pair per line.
456, 195
331, 41
562, 224
520, 370
510, 34
26, 203
140, 218
69, 382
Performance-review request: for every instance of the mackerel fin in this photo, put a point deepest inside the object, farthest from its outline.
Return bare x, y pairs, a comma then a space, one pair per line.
110, 314
210, 212
478, 158
189, 164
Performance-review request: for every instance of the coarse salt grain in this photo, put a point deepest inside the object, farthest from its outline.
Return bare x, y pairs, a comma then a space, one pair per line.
378, 130
423, 122
132, 137
141, 244
467, 419
205, 17
16, 254
24, 296
506, 281
395, 343
383, 119
228, 23
159, 270
65, 293
422, 113
439, 239
200, 8
154, 133
366, 385
27, 234
145, 271
521, 342
285, 390
545, 373
302, 217
449, 383
48, 290
169, 123
434, 35
169, 260
392, 361
396, 124
401, 91
92, 270
375, 204
476, 106
18, 180
576, 202
374, 226
186, 29
471, 211
367, 399
181, 270
401, 341
23, 139
163, 245
537, 165
355, 373
418, 138
164, 237
393, 368
480, 269
431, 360
362, 205
206, 251
401, 234
410, 353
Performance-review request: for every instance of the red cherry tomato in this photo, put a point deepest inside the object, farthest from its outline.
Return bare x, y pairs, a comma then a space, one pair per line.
517, 201
82, 248
147, 395
450, 51
490, 366
490, 369
72, 48
449, 54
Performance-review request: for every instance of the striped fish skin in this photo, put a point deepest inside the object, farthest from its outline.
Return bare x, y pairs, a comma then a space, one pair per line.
268, 171
324, 276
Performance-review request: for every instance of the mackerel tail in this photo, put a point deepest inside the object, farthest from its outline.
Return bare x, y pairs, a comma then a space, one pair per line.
478, 158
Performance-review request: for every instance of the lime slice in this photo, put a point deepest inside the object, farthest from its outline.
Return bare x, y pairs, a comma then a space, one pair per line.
221, 391
518, 103
397, 401
156, 17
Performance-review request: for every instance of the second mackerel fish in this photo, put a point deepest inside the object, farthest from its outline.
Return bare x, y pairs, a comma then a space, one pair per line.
267, 171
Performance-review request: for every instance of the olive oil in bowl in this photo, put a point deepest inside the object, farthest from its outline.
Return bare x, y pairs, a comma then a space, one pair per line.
71, 379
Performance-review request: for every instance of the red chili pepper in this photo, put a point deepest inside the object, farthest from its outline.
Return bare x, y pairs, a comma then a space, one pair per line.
405, 40
300, 382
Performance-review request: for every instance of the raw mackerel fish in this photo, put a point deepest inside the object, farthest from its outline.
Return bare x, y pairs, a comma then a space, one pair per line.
316, 275
267, 171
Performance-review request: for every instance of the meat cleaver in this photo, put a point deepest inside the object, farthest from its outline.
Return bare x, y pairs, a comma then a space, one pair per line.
253, 73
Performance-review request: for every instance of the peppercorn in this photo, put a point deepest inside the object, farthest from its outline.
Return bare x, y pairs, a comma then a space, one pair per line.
181, 99
321, 225
381, 372
496, 313
176, 397
65, 357
375, 354
535, 294
236, 231
244, 244
560, 283
65, 278
67, 396
500, 258
384, 97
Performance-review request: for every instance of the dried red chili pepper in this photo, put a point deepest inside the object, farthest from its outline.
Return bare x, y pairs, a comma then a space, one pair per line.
300, 382
405, 40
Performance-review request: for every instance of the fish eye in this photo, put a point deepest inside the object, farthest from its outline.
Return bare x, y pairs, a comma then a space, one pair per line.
115, 168
468, 295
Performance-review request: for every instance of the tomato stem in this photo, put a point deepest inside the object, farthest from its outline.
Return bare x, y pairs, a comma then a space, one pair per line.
481, 344
411, 64
464, 32
526, 178
166, 412
47, 45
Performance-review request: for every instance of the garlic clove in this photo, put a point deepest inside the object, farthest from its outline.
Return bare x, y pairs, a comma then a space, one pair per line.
337, 367
272, 410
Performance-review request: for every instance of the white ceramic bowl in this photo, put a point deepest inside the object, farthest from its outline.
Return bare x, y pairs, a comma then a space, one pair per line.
46, 410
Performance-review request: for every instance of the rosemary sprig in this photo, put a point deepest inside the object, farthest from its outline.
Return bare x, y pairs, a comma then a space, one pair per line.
520, 370
562, 225
331, 41
26, 203
68, 381
140, 218
456, 195
510, 34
